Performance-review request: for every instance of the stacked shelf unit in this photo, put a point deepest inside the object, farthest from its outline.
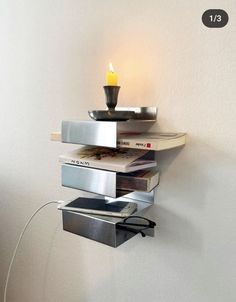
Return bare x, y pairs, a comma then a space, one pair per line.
103, 229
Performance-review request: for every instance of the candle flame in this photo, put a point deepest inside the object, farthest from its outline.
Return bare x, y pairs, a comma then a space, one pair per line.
111, 67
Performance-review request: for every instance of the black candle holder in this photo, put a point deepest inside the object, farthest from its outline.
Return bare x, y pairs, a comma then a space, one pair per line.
111, 93
111, 114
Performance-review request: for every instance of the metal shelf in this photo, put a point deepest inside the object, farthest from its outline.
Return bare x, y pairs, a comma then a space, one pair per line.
105, 133
105, 229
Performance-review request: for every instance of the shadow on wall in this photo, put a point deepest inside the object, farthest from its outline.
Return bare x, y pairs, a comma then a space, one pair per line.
177, 231
193, 178
176, 187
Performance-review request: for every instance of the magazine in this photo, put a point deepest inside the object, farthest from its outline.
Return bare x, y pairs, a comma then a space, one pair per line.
119, 160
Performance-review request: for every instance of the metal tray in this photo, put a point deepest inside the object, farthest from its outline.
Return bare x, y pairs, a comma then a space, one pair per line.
111, 115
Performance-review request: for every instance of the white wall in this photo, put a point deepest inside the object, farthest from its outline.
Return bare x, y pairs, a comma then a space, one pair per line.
53, 58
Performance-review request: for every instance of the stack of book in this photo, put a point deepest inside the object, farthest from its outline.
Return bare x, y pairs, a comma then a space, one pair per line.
131, 160
131, 165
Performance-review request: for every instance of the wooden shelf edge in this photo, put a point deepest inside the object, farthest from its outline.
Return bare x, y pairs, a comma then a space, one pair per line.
55, 136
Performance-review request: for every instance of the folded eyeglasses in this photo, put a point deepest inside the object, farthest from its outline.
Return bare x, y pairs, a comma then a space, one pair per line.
137, 224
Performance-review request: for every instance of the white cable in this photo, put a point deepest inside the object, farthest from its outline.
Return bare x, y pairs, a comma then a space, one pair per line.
18, 242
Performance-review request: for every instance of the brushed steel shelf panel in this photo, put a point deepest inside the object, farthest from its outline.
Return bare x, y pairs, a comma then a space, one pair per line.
88, 179
89, 133
142, 113
103, 229
105, 133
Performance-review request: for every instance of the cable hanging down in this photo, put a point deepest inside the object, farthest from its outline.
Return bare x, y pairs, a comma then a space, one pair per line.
19, 240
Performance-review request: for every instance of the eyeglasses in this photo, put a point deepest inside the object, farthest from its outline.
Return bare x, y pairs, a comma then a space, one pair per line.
137, 224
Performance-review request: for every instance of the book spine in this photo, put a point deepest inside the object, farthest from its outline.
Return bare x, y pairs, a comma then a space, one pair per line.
78, 162
150, 145
125, 143
89, 164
